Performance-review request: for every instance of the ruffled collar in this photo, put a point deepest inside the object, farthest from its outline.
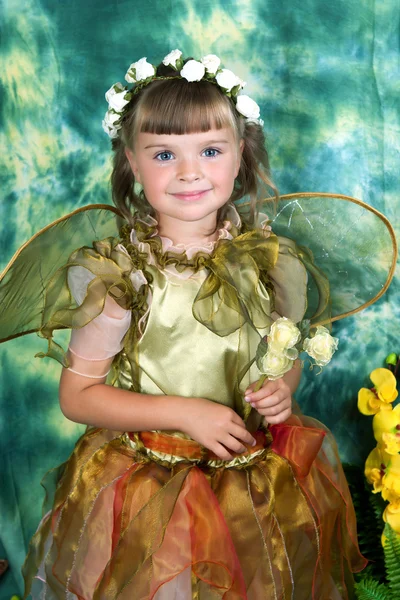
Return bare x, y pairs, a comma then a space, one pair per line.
180, 260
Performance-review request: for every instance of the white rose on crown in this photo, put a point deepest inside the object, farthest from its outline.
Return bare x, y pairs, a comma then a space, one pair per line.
321, 347
171, 58
227, 80
247, 107
193, 70
109, 123
139, 71
208, 67
115, 97
211, 63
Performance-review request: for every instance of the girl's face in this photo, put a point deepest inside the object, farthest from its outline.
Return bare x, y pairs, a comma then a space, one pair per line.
187, 177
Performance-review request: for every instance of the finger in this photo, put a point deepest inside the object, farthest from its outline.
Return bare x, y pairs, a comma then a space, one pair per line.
243, 435
232, 443
221, 452
251, 388
238, 420
272, 399
267, 390
269, 384
279, 418
273, 410
276, 400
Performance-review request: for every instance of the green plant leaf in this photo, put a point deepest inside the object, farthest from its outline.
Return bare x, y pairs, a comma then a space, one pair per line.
369, 508
392, 559
369, 589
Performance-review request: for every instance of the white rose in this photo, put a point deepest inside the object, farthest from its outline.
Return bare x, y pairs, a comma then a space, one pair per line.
110, 131
111, 118
284, 334
139, 71
109, 124
211, 63
275, 364
171, 58
114, 89
227, 80
321, 347
247, 107
115, 97
193, 70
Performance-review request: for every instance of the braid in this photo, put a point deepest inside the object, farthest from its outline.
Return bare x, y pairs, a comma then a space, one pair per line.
122, 180
254, 178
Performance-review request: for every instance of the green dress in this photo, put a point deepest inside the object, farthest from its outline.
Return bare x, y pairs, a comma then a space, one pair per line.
140, 515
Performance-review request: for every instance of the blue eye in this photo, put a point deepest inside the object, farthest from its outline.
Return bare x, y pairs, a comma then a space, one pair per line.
211, 152
164, 156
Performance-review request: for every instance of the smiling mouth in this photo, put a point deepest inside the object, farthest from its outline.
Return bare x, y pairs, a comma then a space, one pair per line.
192, 195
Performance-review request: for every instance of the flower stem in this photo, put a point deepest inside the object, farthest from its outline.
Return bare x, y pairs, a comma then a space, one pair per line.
260, 382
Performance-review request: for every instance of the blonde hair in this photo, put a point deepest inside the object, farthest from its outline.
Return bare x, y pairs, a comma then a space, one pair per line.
175, 106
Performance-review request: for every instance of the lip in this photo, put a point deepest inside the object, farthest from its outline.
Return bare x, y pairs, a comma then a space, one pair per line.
192, 195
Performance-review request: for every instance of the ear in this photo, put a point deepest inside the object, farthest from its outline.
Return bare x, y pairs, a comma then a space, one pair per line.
130, 155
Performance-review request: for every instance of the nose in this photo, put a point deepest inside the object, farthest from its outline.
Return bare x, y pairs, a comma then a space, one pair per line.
189, 170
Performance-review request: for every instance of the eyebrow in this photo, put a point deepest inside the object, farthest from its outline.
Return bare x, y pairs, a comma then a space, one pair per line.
206, 143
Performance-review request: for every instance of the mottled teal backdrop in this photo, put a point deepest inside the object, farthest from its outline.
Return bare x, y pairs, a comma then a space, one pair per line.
327, 78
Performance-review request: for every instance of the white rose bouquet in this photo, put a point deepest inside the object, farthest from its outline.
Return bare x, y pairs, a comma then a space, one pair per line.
278, 350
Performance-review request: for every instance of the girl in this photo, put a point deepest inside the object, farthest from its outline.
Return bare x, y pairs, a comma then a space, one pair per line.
190, 482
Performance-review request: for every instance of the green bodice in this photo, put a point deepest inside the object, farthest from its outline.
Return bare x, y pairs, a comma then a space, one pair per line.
205, 314
178, 355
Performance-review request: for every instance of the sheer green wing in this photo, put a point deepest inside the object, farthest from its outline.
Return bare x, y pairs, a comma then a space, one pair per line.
23, 281
342, 242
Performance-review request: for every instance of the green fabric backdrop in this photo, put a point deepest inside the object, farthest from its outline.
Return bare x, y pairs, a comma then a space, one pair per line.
327, 78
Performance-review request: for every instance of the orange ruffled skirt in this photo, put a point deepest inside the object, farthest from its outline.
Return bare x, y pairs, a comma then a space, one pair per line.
152, 516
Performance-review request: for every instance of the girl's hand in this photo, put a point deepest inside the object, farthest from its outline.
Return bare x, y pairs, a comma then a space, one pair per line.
273, 400
216, 427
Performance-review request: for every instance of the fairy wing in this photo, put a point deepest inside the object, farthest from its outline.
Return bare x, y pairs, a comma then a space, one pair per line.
23, 281
348, 248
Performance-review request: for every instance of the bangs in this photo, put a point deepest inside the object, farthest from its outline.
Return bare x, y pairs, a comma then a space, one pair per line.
177, 106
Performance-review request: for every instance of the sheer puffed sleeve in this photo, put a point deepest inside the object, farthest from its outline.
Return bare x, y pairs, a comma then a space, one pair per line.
96, 293
93, 346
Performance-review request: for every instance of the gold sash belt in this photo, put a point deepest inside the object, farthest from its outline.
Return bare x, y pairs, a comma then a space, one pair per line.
168, 450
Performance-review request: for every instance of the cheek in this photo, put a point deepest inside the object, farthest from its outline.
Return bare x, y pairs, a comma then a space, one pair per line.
230, 176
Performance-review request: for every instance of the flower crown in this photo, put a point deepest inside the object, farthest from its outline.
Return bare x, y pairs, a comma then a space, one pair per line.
141, 73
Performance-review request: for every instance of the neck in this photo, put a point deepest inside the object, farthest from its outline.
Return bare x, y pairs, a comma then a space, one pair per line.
188, 232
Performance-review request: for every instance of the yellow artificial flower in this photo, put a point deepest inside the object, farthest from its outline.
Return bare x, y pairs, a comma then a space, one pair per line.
375, 468
391, 478
391, 515
386, 424
382, 470
380, 397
